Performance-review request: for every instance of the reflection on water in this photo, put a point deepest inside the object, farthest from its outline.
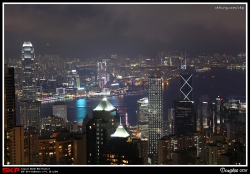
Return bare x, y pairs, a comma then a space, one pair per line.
77, 109
215, 82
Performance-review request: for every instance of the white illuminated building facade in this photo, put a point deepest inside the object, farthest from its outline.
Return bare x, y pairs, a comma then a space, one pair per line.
142, 118
237, 102
155, 119
204, 121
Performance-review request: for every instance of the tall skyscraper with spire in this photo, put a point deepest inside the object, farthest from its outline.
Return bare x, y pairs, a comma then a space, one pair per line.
155, 119
28, 72
186, 78
184, 120
29, 107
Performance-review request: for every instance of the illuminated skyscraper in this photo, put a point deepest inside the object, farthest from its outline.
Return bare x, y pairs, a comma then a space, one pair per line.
184, 120
102, 72
29, 107
28, 72
99, 130
204, 114
75, 79
155, 120
142, 117
123, 150
186, 88
218, 115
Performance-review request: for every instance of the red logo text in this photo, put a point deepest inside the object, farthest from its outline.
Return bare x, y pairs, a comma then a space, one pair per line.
10, 170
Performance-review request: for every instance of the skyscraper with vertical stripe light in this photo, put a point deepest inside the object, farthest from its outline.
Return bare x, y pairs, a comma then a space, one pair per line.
28, 72
155, 120
29, 107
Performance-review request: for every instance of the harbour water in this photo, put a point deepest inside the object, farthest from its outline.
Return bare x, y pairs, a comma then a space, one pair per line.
217, 81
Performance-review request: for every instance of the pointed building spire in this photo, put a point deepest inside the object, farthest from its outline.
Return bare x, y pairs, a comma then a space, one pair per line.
120, 132
104, 105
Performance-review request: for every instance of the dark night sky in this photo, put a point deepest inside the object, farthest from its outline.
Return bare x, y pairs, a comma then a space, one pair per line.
84, 30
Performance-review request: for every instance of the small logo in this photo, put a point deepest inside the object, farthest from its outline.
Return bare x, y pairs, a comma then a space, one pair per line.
10, 170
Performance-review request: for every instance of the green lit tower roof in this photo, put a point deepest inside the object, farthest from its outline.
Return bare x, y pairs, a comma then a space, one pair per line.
104, 105
120, 132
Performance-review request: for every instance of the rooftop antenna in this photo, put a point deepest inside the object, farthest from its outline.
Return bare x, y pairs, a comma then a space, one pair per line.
185, 61
183, 66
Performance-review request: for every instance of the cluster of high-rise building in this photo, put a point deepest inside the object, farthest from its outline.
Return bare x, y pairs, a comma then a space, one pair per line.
208, 136
215, 135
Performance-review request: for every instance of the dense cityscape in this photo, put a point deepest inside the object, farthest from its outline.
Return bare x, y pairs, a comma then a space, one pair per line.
214, 134
124, 85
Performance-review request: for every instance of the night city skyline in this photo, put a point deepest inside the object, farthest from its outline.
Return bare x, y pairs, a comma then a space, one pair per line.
124, 84
91, 30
